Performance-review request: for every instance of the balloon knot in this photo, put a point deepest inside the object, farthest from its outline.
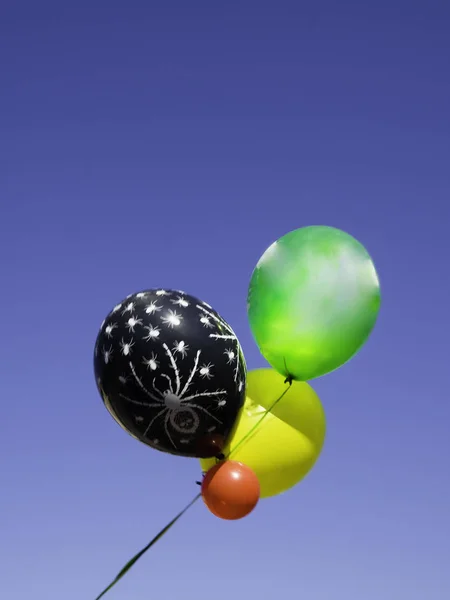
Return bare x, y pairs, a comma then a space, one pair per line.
289, 377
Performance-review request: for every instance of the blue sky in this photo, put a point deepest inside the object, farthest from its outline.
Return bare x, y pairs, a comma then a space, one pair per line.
168, 144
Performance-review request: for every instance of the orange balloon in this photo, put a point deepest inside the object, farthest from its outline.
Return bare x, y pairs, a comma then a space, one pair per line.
230, 490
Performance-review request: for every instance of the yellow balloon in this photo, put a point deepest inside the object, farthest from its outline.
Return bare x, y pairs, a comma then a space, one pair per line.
285, 446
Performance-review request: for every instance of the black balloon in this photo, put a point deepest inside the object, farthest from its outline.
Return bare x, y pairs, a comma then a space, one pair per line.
171, 372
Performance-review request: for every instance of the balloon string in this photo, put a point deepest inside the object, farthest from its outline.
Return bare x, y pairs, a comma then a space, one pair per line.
259, 422
171, 523
157, 537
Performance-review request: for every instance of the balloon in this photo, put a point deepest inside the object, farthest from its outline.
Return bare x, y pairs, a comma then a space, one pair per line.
171, 372
286, 445
313, 300
230, 490
211, 445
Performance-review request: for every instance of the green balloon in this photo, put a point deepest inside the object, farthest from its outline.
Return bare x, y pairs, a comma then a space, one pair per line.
313, 301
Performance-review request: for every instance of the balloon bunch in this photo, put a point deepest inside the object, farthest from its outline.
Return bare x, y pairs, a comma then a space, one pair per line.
172, 373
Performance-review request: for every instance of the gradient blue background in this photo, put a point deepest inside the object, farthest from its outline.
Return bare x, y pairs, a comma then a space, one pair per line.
150, 144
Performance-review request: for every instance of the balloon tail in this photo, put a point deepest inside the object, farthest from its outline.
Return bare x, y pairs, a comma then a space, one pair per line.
256, 426
289, 379
157, 537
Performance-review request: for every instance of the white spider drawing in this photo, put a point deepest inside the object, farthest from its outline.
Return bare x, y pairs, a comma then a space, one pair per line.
151, 363
153, 333
206, 322
126, 347
176, 404
221, 402
229, 335
109, 329
180, 301
132, 322
107, 354
162, 293
172, 319
128, 308
230, 355
180, 348
152, 308
205, 371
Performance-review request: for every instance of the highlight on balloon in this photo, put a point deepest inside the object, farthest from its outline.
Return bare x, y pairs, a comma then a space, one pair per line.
171, 371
